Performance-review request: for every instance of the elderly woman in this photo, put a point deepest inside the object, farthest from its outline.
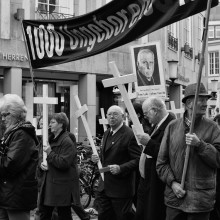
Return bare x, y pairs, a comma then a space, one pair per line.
18, 161
60, 183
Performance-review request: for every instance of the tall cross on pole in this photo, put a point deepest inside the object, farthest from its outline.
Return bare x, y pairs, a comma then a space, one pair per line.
103, 121
80, 113
120, 81
45, 100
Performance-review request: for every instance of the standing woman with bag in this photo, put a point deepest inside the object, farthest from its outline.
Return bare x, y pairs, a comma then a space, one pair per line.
18, 161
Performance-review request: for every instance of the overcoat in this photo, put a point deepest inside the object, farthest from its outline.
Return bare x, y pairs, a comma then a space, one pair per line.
204, 159
60, 184
154, 200
18, 184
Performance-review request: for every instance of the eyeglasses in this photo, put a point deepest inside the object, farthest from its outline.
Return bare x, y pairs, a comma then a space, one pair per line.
147, 112
5, 114
114, 114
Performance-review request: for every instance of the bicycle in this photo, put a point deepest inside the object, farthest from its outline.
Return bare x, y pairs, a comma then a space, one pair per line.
89, 174
88, 185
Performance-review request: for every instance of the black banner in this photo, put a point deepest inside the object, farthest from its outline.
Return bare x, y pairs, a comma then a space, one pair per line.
52, 42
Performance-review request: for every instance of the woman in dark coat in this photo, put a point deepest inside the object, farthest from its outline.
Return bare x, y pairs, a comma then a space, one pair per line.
60, 183
18, 161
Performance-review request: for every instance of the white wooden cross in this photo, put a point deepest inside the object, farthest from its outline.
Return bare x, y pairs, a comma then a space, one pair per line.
80, 113
38, 131
120, 81
103, 121
45, 100
174, 110
132, 95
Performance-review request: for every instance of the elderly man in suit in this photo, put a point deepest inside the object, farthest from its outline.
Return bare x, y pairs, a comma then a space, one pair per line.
121, 153
150, 202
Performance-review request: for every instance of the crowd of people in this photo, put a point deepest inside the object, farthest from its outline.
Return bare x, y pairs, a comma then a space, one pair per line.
143, 177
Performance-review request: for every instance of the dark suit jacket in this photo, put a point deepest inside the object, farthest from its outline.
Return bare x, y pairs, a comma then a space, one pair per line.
123, 151
155, 208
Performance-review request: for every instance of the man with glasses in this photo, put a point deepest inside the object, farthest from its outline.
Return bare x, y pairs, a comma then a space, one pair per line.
150, 203
120, 153
197, 198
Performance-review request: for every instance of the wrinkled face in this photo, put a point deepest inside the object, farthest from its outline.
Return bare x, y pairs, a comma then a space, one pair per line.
7, 119
151, 114
146, 64
115, 117
55, 126
201, 105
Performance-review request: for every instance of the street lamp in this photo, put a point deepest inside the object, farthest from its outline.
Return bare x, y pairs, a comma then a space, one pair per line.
172, 70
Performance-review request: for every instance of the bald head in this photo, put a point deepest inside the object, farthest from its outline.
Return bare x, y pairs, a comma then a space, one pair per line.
115, 116
154, 109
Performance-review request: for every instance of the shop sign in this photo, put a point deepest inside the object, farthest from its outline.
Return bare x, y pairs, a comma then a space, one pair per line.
13, 57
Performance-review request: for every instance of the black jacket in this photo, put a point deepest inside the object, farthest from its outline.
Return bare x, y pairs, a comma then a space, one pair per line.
18, 161
125, 152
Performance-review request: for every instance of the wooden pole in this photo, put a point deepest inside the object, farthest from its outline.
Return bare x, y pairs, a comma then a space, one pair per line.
29, 60
80, 113
197, 90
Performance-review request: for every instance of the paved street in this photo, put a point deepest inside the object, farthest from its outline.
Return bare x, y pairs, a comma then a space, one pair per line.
75, 217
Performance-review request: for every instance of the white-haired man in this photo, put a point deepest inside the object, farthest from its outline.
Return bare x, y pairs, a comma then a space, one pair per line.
150, 202
121, 153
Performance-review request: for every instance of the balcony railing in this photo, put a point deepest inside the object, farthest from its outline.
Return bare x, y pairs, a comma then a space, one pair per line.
46, 15
172, 42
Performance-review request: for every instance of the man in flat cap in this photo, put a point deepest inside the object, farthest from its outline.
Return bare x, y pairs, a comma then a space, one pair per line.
197, 198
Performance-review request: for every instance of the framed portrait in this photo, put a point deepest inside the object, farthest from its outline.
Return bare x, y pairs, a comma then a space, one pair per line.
147, 66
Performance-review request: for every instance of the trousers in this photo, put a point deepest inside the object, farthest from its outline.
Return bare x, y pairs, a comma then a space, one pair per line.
6, 214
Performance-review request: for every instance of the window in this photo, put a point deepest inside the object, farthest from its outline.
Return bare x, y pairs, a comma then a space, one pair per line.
200, 32
55, 7
188, 31
214, 63
217, 32
172, 29
211, 31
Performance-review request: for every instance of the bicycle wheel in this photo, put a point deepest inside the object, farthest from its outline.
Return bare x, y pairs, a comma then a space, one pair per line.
95, 183
85, 192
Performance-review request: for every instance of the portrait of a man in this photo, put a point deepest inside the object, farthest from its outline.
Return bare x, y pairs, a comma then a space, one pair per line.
148, 67
146, 72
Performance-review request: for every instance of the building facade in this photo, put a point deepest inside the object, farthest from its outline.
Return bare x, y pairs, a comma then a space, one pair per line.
213, 60
180, 41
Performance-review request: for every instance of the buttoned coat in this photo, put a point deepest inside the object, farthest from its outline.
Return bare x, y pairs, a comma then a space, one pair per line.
200, 182
125, 152
60, 184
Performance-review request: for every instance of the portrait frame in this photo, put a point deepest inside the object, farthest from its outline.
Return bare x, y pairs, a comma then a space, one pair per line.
157, 86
